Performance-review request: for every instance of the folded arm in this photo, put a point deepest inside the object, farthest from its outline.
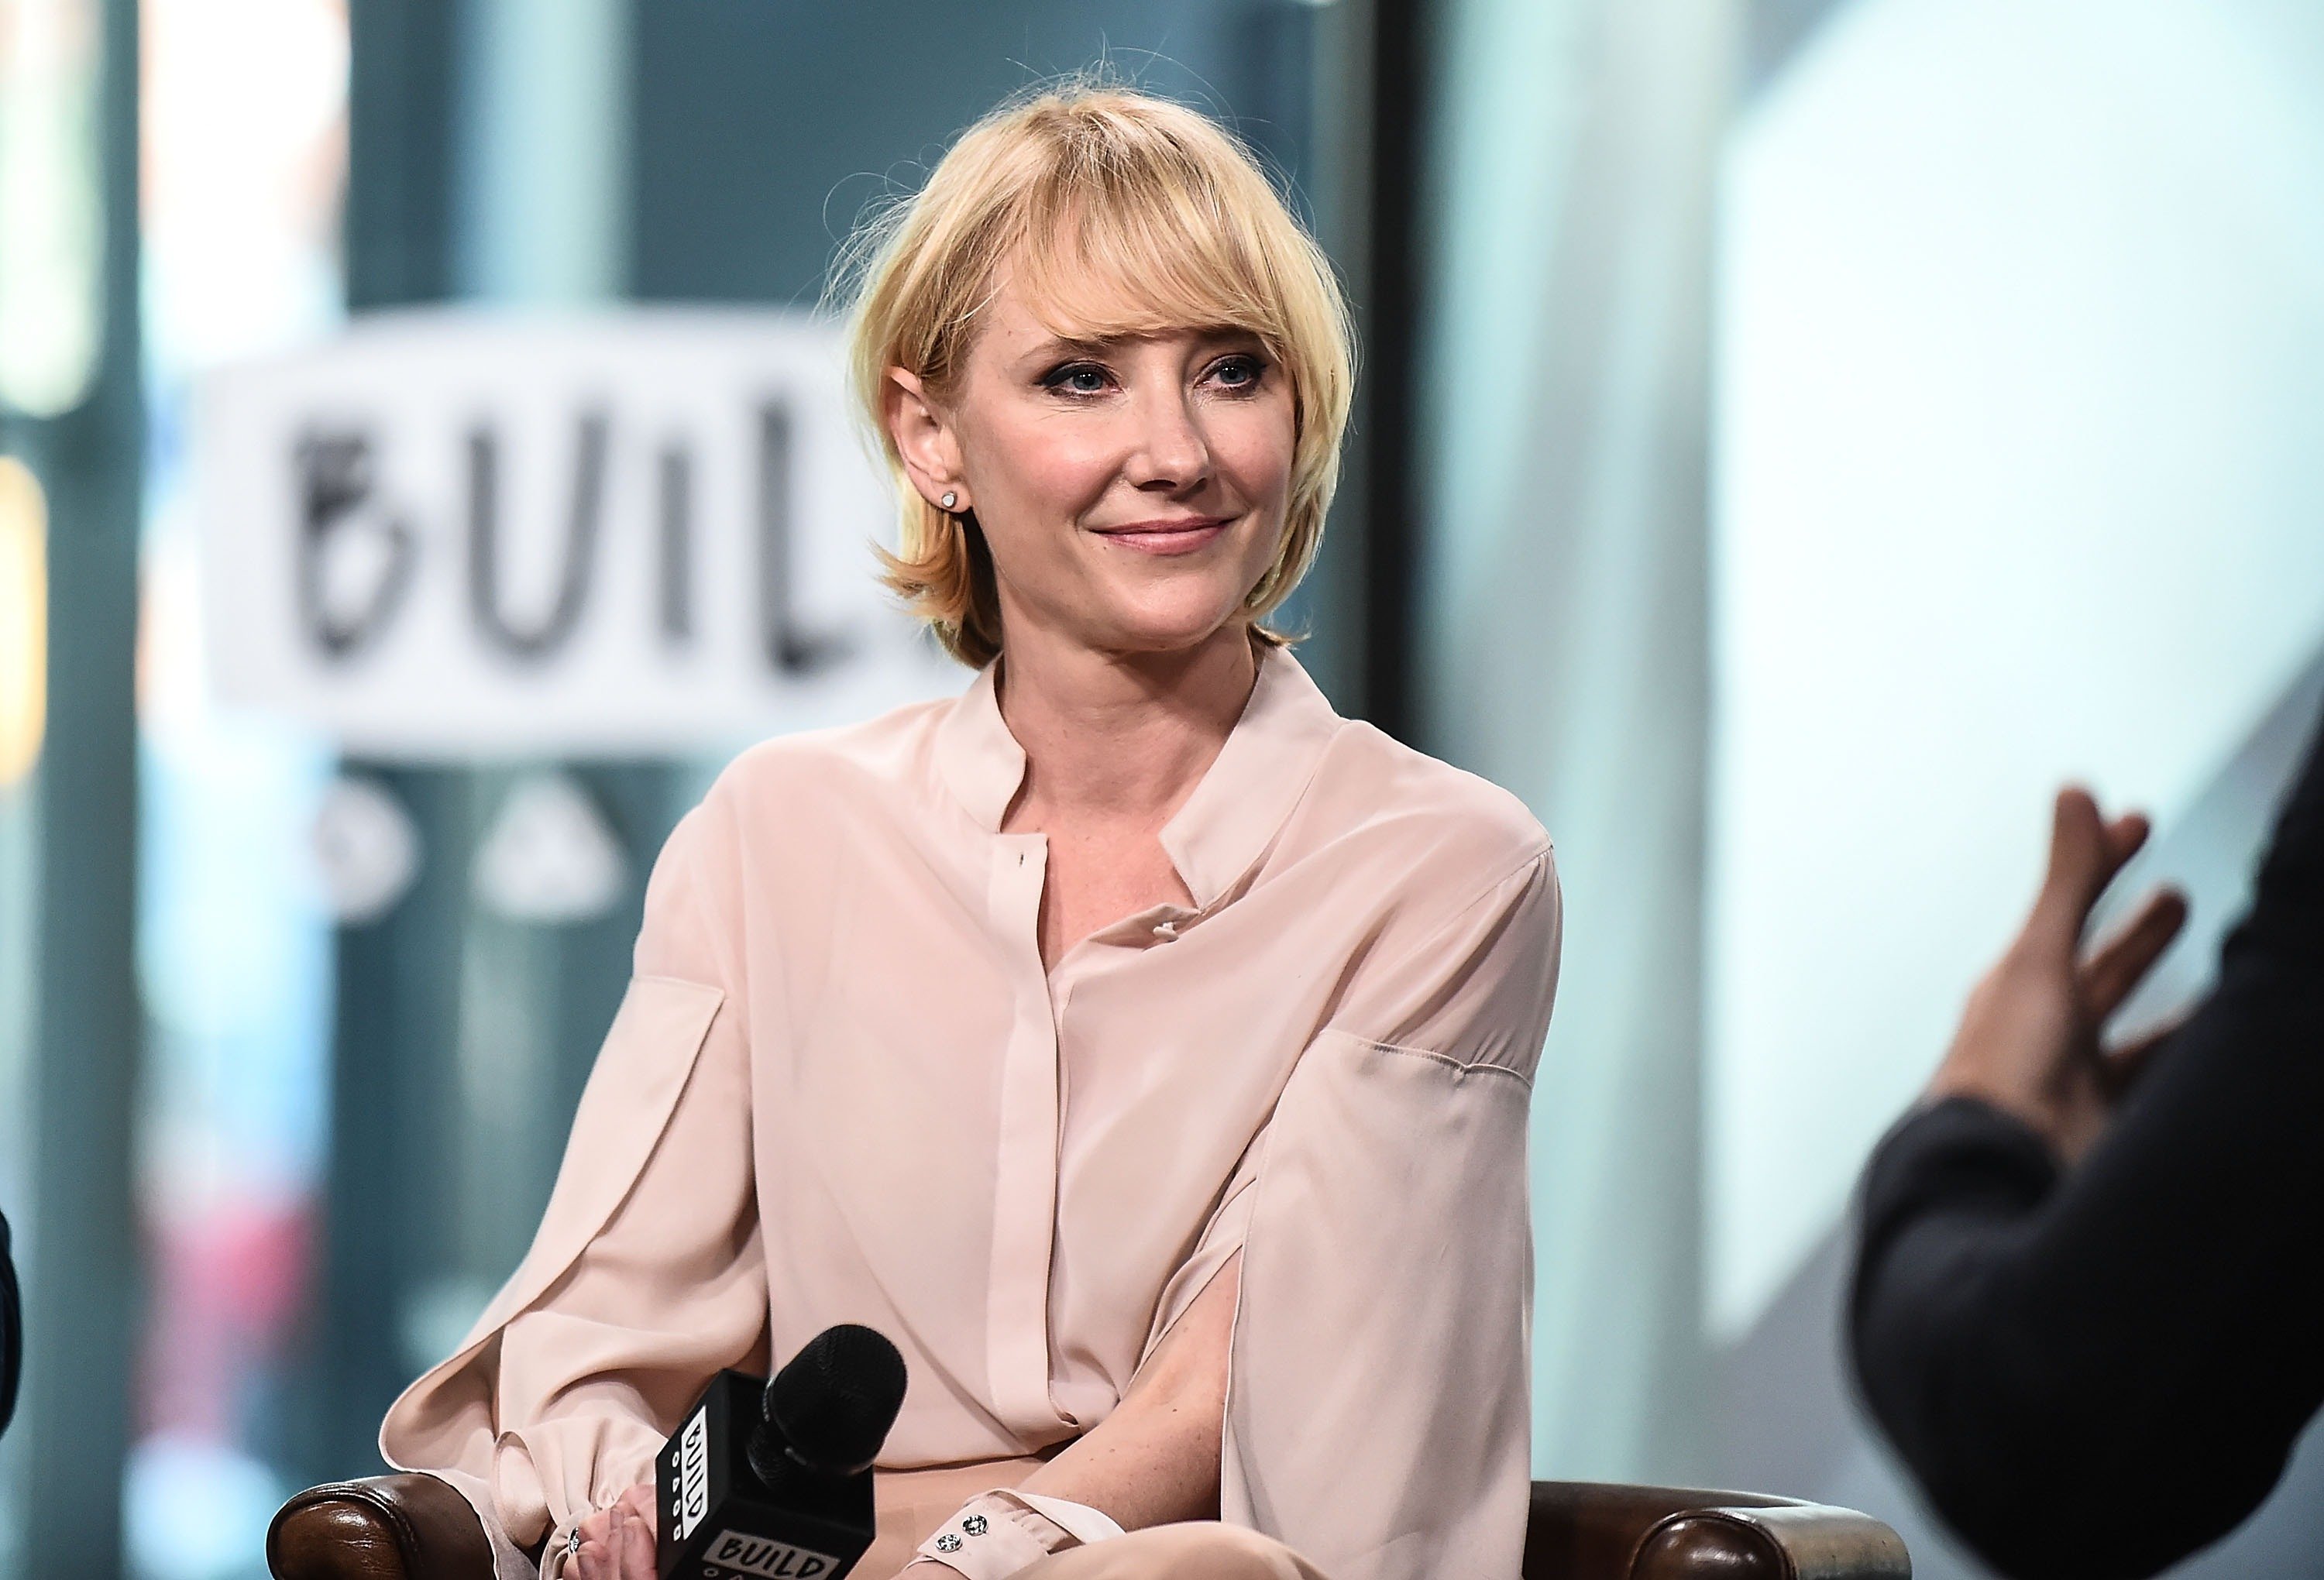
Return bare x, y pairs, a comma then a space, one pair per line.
647, 1274
1156, 1458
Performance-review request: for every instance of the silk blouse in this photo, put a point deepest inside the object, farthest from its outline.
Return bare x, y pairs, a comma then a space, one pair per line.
841, 1088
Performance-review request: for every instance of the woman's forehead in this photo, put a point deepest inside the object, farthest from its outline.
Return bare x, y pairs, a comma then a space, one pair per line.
1093, 311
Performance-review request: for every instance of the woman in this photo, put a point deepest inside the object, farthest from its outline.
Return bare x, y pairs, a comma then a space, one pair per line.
1141, 1046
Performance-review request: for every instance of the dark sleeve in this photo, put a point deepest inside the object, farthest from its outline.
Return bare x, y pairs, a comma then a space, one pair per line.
2094, 1375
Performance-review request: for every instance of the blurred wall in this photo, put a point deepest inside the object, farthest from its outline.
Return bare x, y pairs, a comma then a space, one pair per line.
1845, 420
1562, 654
2021, 309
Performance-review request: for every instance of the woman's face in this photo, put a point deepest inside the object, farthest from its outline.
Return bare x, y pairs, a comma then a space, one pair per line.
1133, 491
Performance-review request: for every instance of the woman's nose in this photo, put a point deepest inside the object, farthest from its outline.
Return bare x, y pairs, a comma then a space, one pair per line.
1170, 452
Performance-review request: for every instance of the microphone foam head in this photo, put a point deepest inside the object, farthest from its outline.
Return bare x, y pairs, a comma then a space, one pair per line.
835, 1401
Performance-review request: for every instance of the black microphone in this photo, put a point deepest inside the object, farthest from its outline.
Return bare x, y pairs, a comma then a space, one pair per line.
773, 1480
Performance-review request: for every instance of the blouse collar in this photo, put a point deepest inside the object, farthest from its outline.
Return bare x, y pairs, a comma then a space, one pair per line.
1244, 798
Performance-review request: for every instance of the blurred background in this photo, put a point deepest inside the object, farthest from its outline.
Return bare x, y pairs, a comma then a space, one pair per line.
1795, 434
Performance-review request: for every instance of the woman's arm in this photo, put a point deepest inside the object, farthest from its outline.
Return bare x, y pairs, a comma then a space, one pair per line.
1153, 1461
647, 1274
1378, 1423
1156, 1458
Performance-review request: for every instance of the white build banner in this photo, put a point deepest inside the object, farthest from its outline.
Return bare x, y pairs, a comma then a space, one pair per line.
454, 533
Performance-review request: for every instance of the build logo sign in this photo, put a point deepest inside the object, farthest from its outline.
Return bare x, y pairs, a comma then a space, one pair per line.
448, 535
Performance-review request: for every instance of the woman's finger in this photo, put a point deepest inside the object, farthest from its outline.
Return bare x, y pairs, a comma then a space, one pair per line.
591, 1559
639, 1502
2116, 967
636, 1549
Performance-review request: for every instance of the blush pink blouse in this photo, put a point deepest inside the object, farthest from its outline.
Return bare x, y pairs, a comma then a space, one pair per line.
843, 1088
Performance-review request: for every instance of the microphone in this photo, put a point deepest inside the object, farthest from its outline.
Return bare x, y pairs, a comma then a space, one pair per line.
773, 1480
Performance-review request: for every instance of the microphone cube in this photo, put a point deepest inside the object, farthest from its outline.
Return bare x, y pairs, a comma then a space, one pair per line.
718, 1521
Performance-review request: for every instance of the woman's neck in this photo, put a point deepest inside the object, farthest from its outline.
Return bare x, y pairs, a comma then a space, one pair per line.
1120, 735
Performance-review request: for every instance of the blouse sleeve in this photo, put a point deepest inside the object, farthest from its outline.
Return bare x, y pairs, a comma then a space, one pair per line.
1378, 1391
646, 1275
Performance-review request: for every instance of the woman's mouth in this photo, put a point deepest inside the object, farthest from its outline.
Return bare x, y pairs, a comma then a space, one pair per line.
1166, 534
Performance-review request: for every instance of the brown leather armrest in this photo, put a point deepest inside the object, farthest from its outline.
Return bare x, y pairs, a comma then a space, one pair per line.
1583, 1530
416, 1528
382, 1528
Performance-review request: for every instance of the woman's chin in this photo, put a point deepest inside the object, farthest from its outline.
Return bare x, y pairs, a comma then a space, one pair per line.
1147, 627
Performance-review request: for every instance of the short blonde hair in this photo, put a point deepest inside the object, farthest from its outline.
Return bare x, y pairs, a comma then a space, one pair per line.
1120, 214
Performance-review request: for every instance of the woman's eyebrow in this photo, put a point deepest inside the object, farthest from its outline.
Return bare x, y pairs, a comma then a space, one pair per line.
1067, 346
1058, 346
1216, 337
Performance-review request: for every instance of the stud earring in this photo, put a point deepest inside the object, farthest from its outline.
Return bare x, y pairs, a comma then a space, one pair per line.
949, 500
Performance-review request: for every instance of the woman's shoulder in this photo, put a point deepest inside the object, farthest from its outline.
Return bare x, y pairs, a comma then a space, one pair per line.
1424, 813
839, 766
773, 832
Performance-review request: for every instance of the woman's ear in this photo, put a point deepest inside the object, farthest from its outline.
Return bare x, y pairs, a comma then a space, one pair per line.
925, 440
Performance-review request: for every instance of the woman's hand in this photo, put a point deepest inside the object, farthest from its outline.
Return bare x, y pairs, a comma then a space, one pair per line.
618, 1543
1155, 1459
2029, 1042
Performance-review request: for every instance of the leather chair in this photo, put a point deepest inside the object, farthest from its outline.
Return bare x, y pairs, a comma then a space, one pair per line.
416, 1528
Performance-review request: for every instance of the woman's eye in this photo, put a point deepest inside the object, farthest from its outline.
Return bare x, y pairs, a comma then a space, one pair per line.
1237, 372
1077, 379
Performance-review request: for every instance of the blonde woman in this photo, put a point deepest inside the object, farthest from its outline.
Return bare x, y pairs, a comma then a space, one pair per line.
1140, 1045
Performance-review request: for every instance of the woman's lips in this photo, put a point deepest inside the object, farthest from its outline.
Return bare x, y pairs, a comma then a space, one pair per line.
1184, 534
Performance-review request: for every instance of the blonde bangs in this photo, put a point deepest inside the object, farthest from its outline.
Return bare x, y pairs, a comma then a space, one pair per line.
1141, 253
1118, 214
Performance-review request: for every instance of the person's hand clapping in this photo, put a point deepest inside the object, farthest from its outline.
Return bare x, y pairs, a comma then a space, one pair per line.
2030, 1041
617, 1543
